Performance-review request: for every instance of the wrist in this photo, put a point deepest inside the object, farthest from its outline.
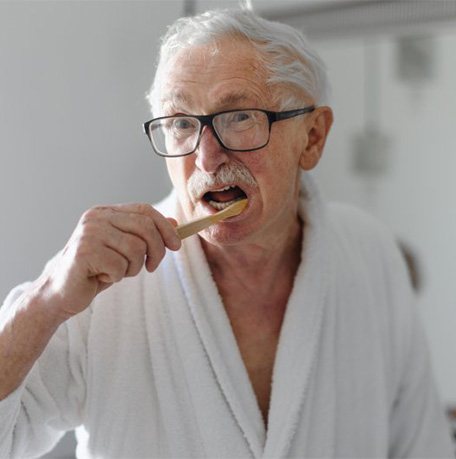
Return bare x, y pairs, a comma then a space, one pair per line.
46, 301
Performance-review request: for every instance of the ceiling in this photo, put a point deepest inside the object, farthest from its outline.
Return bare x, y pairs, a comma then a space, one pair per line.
260, 5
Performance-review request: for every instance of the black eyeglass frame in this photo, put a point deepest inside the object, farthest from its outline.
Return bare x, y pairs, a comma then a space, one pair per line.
207, 120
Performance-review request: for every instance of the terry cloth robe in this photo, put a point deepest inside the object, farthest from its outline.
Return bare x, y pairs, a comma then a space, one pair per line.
152, 369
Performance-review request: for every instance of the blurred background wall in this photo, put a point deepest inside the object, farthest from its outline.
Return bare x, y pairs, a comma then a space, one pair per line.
410, 185
73, 79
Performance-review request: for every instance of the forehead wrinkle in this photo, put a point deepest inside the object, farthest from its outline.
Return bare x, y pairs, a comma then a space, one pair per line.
233, 98
199, 80
176, 99
179, 99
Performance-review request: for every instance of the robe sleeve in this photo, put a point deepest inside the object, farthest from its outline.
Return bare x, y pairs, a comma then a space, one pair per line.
50, 400
418, 426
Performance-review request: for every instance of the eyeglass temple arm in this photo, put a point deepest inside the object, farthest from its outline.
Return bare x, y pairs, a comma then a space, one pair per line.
277, 116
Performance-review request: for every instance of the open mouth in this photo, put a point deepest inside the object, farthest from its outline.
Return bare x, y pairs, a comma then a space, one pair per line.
219, 199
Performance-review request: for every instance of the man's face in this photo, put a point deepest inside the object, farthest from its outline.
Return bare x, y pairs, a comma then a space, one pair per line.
197, 81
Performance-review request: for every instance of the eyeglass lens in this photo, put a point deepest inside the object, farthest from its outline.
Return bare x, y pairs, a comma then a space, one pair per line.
237, 130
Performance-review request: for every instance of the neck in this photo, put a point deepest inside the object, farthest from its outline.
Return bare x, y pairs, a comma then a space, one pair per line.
257, 264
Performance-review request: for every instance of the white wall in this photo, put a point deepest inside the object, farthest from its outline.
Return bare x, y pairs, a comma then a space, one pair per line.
73, 80
416, 196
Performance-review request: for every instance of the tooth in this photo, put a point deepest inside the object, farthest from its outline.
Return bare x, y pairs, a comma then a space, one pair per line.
221, 205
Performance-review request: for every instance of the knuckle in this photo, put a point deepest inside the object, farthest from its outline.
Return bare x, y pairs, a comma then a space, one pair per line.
93, 213
89, 214
145, 208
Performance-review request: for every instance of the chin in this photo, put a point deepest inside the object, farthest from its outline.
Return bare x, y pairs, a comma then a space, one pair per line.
223, 235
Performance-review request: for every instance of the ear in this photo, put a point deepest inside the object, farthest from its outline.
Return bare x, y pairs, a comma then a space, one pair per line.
318, 126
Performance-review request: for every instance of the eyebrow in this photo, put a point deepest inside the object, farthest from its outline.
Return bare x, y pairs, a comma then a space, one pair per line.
234, 98
180, 98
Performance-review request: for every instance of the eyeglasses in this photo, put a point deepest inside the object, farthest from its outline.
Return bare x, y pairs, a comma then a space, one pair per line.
235, 130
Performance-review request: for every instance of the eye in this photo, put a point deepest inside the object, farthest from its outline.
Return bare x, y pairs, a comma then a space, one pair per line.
184, 124
240, 117
180, 127
238, 121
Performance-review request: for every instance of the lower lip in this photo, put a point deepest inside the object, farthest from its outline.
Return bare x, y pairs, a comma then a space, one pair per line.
236, 218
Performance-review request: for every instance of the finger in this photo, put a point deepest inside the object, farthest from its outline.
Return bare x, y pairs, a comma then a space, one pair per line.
145, 227
131, 247
108, 266
140, 227
168, 231
163, 224
173, 221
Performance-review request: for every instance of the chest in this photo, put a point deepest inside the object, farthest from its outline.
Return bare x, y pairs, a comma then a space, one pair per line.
257, 335
144, 388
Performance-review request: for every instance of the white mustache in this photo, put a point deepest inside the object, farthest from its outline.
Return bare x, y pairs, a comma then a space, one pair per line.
199, 182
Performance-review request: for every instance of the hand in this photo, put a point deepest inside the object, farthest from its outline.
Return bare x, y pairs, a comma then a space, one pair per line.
108, 244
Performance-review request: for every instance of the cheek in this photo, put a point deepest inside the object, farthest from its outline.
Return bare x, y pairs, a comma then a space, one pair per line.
283, 157
179, 170
274, 176
282, 171
287, 145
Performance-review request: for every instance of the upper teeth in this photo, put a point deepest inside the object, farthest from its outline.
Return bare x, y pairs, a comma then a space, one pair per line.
225, 188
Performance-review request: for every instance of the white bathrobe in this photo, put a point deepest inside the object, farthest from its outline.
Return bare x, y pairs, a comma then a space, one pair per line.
152, 368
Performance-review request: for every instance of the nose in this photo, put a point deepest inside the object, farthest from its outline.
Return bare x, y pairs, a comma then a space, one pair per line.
210, 155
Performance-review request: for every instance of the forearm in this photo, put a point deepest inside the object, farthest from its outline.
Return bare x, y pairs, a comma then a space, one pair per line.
108, 244
24, 333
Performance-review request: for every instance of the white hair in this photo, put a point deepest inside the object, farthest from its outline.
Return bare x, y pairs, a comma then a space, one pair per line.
288, 58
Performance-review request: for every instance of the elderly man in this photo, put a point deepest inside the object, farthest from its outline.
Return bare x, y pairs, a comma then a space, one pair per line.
285, 331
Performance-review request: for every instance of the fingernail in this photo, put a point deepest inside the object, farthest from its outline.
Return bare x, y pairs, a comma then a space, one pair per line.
177, 242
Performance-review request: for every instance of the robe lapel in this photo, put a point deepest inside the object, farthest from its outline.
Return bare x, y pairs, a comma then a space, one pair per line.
300, 335
215, 332
198, 409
